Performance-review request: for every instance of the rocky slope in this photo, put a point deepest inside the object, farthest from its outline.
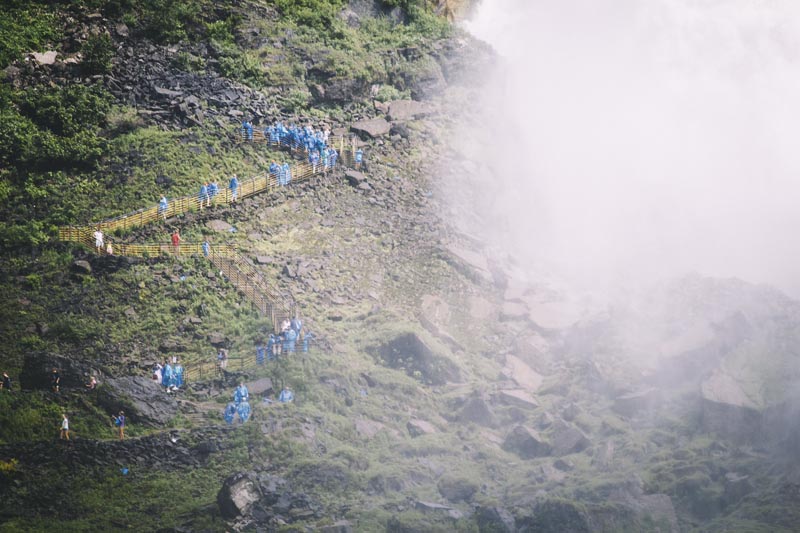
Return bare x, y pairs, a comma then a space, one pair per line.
455, 390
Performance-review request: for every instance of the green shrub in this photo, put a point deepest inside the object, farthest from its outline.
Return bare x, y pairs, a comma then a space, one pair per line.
25, 30
97, 53
242, 67
318, 14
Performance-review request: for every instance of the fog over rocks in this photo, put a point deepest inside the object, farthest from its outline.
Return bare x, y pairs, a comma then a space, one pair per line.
632, 141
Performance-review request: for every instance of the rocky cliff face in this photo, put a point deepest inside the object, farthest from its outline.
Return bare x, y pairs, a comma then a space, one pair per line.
455, 387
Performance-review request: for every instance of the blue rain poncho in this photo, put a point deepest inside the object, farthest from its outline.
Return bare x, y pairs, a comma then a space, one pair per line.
243, 410
287, 174
166, 375
240, 394
307, 338
229, 413
259, 354
286, 396
178, 375
271, 347
290, 339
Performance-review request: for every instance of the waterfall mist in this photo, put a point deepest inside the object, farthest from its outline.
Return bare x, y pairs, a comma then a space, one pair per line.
634, 140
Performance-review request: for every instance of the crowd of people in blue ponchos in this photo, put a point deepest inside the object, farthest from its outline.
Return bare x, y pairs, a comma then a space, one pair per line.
314, 142
285, 342
169, 375
240, 406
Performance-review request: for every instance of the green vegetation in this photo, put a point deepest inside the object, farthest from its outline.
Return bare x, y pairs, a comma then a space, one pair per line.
26, 27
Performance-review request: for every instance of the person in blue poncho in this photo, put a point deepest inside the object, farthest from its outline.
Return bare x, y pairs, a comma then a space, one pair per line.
243, 410
234, 186
229, 413
307, 339
296, 324
359, 157
213, 190
260, 353
275, 170
247, 130
325, 158
287, 174
240, 394
166, 374
163, 205
178, 373
271, 347
286, 396
206, 249
313, 159
290, 338
333, 155
203, 196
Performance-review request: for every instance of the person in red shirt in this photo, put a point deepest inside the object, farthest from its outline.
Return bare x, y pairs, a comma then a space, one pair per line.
176, 241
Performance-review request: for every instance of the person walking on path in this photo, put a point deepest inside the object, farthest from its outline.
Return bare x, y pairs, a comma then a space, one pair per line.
176, 241
119, 421
98, 240
234, 186
6, 384
204, 197
163, 205
55, 380
206, 249
64, 427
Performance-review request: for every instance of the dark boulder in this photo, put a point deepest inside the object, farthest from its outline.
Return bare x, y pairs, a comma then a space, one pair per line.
567, 439
81, 266
476, 410
372, 128
410, 352
38, 368
238, 494
560, 516
526, 443
142, 399
456, 489
494, 520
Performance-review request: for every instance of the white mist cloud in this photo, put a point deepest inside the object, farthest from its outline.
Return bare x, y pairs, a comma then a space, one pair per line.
646, 137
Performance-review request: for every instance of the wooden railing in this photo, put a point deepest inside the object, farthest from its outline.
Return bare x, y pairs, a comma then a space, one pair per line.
241, 273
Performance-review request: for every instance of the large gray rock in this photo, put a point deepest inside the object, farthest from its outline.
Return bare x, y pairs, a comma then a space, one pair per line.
81, 267
46, 58
373, 128
418, 358
567, 439
417, 427
400, 110
728, 410
238, 493
517, 398
38, 367
494, 520
355, 178
476, 410
526, 443
219, 225
636, 402
142, 399
557, 516
456, 489
260, 387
